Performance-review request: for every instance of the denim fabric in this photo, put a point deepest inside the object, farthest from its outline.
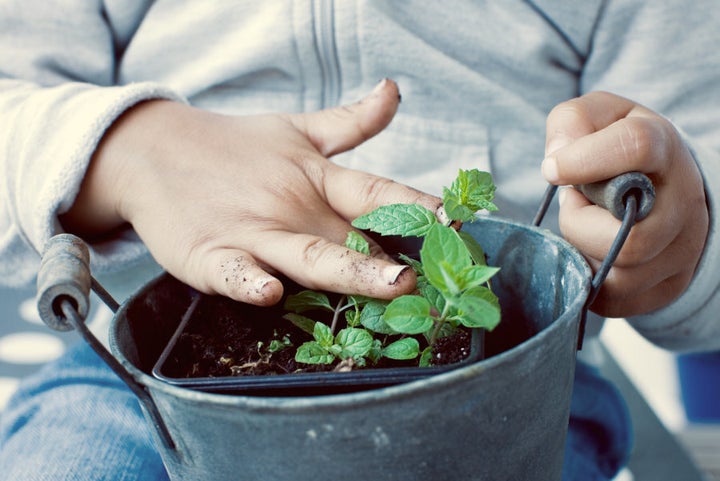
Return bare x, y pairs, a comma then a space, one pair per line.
75, 420
600, 434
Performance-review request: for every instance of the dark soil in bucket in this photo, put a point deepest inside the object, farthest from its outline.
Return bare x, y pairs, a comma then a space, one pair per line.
225, 338
224, 345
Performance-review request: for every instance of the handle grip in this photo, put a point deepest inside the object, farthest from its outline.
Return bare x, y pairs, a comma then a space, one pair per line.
64, 274
63, 300
612, 194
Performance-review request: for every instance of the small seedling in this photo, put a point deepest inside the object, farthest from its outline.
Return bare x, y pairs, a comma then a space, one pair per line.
453, 286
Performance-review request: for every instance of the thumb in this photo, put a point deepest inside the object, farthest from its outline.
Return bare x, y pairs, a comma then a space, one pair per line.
342, 128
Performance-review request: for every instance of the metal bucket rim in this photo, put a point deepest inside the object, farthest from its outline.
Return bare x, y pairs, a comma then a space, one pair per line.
356, 399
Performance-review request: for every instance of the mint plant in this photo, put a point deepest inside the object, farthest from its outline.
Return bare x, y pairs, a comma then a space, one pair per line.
453, 286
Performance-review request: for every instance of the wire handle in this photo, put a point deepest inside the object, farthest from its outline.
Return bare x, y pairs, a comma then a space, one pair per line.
629, 197
63, 291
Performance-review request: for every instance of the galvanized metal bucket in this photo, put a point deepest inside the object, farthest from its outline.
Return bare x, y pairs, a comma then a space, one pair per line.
502, 418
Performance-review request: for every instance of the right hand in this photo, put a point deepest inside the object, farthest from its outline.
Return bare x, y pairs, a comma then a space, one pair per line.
599, 136
223, 202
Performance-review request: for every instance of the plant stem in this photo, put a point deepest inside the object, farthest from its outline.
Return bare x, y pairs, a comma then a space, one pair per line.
436, 330
439, 322
336, 314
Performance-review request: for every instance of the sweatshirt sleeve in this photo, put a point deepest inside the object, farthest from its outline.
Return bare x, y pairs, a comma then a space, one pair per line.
644, 51
57, 98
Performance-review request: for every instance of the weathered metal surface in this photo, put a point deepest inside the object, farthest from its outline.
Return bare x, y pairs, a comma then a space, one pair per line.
502, 418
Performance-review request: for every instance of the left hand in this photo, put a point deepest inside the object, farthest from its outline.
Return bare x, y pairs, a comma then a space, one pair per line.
599, 136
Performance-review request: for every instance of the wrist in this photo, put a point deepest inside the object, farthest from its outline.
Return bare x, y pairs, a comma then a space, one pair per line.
115, 170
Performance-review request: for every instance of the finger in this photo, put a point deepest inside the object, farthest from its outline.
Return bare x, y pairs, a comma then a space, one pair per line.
589, 228
630, 144
318, 263
631, 291
592, 230
582, 116
236, 274
319, 219
338, 129
353, 193
626, 302
574, 120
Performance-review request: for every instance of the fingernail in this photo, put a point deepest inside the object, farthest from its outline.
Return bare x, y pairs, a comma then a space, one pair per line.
391, 274
265, 291
550, 169
441, 215
444, 219
562, 193
381, 85
262, 284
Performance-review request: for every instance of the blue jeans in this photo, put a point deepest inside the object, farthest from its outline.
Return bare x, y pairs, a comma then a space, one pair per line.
75, 420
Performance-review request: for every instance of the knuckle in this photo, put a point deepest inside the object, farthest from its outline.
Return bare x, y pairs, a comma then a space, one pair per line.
316, 251
574, 107
642, 140
313, 168
568, 113
374, 188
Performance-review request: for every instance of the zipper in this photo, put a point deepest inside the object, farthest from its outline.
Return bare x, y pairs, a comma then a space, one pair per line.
326, 47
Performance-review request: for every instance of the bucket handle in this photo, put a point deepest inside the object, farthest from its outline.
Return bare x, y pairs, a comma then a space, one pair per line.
629, 197
63, 291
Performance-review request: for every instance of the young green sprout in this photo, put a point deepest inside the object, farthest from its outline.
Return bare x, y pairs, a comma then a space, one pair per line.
453, 287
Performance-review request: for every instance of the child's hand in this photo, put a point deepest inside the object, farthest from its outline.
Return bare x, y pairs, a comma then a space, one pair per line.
599, 136
222, 202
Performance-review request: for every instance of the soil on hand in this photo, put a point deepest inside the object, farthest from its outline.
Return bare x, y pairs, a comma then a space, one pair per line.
225, 338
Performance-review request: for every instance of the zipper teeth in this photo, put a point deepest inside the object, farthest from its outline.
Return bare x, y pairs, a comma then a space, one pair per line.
327, 52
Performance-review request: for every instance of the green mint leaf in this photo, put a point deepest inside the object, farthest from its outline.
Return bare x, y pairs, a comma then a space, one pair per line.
360, 361
397, 219
455, 210
447, 329
313, 353
431, 293
406, 348
323, 335
302, 322
357, 243
474, 248
476, 275
354, 342
371, 317
307, 300
277, 345
335, 350
415, 264
426, 357
408, 315
444, 256
352, 318
471, 191
479, 307
375, 352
